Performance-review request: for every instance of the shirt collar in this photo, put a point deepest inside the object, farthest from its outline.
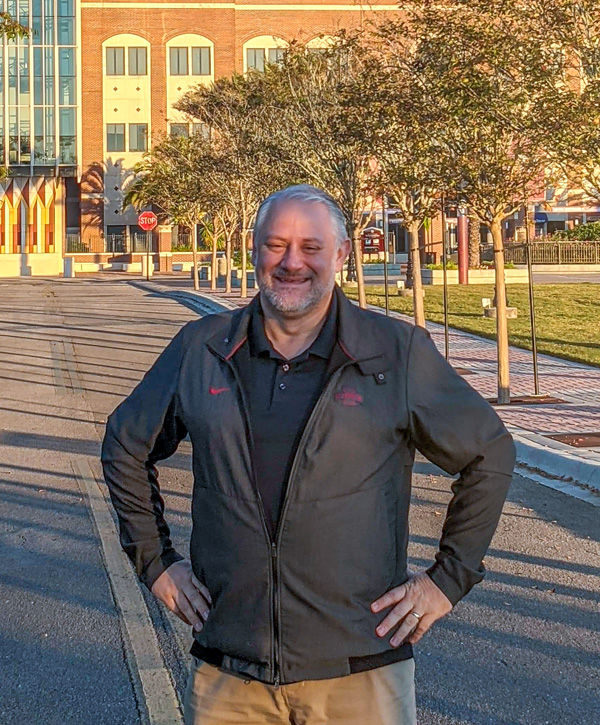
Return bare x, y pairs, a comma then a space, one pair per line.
322, 346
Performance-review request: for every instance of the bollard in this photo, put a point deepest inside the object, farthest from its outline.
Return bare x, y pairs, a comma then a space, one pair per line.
69, 267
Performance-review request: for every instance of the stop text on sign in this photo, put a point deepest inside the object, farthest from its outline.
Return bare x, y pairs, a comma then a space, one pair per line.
147, 220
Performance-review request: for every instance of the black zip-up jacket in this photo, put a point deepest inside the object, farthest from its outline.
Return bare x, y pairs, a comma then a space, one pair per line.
298, 607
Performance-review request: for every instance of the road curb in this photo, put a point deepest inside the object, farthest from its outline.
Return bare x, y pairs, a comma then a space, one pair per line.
555, 463
205, 304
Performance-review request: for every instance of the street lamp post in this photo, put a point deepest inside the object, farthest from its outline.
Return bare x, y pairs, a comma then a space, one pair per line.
385, 252
536, 379
445, 277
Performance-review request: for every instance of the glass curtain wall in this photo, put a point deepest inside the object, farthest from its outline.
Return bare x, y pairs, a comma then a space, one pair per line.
38, 85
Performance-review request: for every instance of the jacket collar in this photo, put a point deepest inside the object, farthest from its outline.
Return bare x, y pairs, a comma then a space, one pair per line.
358, 337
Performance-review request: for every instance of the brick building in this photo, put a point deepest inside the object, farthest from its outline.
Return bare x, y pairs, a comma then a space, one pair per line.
85, 95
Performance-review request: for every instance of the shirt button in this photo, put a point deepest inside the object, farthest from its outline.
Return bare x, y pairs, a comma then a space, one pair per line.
285, 367
282, 386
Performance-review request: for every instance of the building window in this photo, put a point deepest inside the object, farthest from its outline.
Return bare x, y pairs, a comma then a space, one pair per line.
180, 129
138, 136
178, 61
255, 59
67, 135
200, 61
115, 137
137, 61
115, 61
201, 128
276, 55
66, 70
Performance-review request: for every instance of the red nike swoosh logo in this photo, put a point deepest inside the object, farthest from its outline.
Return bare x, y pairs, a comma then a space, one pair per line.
216, 391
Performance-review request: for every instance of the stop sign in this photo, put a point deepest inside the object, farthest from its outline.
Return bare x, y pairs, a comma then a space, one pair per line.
147, 220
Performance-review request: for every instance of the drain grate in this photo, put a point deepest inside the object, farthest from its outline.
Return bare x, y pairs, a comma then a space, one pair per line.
465, 371
578, 440
530, 400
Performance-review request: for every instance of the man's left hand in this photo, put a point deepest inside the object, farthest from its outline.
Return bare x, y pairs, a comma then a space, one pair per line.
419, 595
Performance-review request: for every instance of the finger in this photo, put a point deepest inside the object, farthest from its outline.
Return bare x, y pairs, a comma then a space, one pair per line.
409, 623
175, 609
185, 606
201, 587
422, 628
396, 615
198, 602
394, 596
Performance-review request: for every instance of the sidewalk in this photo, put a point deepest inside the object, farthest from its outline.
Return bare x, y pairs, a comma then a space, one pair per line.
576, 384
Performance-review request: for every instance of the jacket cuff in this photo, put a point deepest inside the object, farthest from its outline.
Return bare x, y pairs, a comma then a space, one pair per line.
158, 565
453, 578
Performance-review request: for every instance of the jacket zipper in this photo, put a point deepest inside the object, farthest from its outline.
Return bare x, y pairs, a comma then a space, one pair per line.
273, 548
275, 544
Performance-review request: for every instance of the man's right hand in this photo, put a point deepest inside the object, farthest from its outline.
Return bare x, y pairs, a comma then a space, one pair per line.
181, 592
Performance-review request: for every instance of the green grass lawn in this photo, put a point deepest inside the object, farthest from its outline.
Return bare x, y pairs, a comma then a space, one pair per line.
567, 315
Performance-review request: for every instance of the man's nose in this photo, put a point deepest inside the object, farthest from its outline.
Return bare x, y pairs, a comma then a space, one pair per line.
292, 259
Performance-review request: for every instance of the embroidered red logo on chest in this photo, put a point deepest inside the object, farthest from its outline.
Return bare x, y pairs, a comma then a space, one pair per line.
217, 391
349, 396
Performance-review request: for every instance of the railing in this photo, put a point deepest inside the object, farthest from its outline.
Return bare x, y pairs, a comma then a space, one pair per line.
75, 245
547, 252
115, 243
139, 243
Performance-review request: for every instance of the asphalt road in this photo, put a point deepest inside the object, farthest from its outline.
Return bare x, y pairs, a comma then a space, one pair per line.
523, 647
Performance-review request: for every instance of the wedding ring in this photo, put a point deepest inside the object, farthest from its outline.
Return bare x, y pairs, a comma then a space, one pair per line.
418, 616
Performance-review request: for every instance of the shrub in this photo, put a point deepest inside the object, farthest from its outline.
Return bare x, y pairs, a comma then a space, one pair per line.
582, 233
449, 265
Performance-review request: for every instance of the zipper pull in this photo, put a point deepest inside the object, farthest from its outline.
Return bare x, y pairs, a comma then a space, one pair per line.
277, 681
273, 549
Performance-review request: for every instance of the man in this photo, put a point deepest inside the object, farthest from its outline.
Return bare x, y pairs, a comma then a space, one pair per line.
304, 413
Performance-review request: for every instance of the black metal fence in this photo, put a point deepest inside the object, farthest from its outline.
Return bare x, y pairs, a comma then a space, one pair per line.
546, 252
75, 245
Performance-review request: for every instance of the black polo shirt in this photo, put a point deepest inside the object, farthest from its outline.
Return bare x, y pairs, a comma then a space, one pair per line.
280, 395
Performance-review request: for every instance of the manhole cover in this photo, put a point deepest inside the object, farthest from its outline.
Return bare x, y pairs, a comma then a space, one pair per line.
529, 400
579, 440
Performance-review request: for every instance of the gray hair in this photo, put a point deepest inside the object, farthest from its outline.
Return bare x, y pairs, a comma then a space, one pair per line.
304, 193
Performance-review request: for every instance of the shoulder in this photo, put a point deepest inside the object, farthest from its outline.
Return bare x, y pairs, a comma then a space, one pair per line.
202, 329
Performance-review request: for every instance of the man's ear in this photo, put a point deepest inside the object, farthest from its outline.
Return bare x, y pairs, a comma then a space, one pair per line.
343, 251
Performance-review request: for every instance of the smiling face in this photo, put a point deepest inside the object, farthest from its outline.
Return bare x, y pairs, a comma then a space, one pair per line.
297, 257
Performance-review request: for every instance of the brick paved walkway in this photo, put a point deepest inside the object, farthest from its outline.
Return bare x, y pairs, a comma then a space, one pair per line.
576, 384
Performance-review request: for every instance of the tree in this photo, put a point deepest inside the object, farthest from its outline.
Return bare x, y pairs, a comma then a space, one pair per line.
312, 131
175, 177
573, 28
474, 242
394, 114
492, 76
234, 110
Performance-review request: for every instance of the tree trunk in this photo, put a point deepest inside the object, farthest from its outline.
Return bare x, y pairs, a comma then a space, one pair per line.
474, 240
360, 279
213, 258
501, 321
228, 240
417, 283
244, 246
195, 256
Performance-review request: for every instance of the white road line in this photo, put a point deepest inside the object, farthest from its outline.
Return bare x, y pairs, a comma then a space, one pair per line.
144, 655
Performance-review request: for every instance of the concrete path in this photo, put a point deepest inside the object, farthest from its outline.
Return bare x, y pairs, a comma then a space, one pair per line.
77, 645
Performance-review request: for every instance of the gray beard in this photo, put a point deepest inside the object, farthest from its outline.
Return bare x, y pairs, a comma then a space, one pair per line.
297, 307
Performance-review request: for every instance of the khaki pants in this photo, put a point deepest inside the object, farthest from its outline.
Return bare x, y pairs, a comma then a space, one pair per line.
381, 696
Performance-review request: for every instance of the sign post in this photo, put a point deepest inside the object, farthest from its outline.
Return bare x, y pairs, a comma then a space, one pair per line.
147, 220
